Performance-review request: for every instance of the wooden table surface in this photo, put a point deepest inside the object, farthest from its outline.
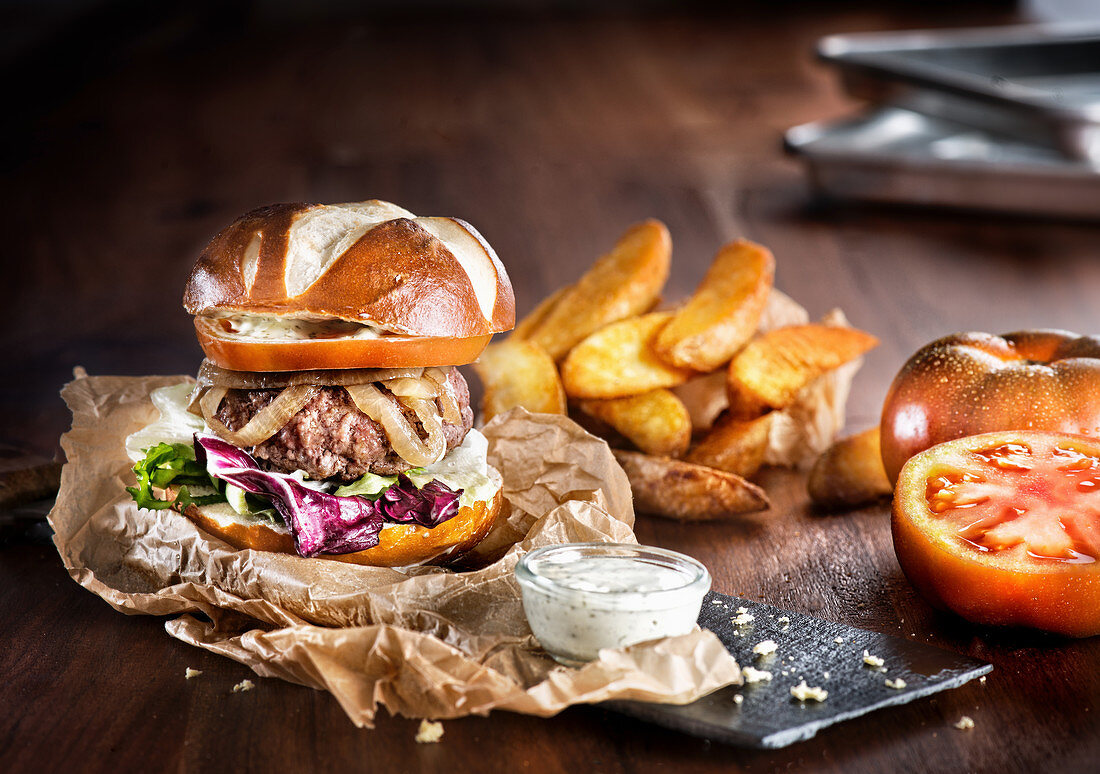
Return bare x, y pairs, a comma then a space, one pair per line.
137, 138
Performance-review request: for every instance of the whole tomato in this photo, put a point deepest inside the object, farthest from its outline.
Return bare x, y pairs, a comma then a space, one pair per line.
970, 383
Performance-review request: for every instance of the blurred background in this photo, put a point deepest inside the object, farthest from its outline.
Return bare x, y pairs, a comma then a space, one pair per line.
134, 131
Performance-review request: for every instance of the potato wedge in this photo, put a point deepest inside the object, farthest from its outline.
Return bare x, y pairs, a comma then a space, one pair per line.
686, 492
773, 368
734, 445
723, 313
617, 361
850, 473
655, 421
529, 325
623, 283
519, 373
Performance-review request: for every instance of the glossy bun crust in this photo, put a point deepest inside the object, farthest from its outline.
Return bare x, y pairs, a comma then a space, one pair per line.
399, 545
370, 262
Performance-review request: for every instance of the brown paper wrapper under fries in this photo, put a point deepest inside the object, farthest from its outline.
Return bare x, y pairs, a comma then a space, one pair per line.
424, 643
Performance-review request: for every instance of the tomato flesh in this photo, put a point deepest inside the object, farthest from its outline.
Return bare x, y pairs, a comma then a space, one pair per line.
1024, 499
1004, 528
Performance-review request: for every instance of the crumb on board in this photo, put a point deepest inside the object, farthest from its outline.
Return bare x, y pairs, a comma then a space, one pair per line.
753, 675
743, 617
189, 673
429, 732
870, 660
981, 680
765, 648
804, 692
243, 685
965, 723
897, 685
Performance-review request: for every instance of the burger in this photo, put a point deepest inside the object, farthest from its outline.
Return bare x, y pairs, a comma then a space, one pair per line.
328, 418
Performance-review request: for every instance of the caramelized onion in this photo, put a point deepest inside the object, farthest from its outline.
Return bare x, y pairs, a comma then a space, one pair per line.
209, 400
409, 387
265, 422
428, 414
402, 435
447, 400
417, 389
212, 375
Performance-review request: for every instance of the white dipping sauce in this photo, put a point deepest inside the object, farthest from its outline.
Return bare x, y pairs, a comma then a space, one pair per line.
582, 597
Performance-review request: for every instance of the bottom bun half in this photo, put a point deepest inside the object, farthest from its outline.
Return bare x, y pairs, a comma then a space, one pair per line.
399, 545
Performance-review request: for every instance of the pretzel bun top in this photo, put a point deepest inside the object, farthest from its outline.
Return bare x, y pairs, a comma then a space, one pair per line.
369, 262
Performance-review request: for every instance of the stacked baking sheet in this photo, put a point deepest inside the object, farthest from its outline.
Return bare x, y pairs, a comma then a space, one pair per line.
999, 118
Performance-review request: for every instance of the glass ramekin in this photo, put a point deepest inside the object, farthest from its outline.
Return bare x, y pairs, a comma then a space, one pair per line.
582, 597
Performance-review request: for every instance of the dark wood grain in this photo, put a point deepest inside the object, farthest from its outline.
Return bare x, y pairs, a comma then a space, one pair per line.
551, 134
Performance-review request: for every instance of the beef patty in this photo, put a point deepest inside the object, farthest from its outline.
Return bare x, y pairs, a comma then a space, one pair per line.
330, 437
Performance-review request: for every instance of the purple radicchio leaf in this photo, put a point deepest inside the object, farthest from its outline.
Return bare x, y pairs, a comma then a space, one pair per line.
321, 523
429, 506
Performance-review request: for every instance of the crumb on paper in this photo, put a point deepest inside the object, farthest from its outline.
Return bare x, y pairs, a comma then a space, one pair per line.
189, 673
243, 685
754, 675
429, 732
826, 674
873, 661
716, 601
839, 640
765, 648
965, 723
784, 621
897, 685
738, 698
804, 692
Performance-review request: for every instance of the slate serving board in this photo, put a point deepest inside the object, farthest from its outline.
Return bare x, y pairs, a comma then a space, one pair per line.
808, 648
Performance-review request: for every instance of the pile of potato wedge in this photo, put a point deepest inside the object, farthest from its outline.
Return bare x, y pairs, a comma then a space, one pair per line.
652, 381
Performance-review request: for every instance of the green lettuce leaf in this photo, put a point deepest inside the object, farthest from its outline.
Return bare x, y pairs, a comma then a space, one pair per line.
172, 464
370, 486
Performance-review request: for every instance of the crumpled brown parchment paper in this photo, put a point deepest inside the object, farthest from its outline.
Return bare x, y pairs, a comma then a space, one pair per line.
798, 433
423, 643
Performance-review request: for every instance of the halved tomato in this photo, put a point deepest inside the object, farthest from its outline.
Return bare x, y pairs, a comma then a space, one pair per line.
1004, 528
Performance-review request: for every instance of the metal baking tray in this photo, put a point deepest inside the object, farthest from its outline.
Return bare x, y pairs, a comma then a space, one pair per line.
897, 155
1039, 83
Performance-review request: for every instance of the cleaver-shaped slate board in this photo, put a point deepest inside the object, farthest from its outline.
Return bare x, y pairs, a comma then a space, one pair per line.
768, 716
